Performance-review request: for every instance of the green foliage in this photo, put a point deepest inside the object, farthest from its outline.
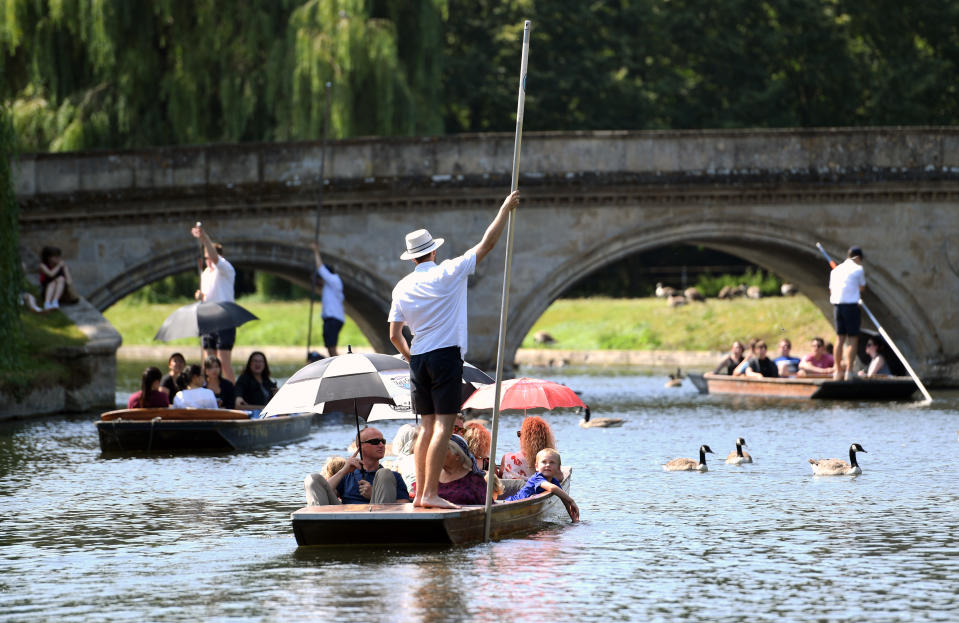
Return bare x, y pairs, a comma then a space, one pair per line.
38, 354
270, 287
769, 284
11, 335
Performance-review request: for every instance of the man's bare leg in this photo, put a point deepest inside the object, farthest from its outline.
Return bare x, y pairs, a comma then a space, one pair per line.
435, 456
420, 450
331, 350
840, 368
852, 351
226, 365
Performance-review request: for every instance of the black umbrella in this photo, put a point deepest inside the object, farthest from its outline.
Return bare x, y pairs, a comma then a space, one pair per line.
200, 318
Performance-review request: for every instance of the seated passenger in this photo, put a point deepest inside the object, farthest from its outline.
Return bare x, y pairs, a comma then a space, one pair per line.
360, 480
402, 449
462, 482
175, 365
785, 362
760, 365
877, 362
740, 369
548, 477
478, 438
733, 359
149, 394
221, 388
254, 387
194, 395
534, 435
818, 363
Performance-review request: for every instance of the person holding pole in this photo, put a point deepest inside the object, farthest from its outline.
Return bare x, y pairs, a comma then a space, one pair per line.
216, 286
332, 313
846, 284
431, 301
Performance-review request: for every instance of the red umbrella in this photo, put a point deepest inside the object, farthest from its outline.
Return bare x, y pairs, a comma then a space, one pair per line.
525, 393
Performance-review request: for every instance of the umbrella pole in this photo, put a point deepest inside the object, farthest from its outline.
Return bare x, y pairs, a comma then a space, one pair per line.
316, 229
504, 306
199, 270
356, 416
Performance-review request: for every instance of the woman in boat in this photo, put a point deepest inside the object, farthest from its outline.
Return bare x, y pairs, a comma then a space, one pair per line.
221, 387
175, 365
478, 438
254, 388
877, 362
149, 394
534, 435
194, 395
733, 359
402, 448
461, 480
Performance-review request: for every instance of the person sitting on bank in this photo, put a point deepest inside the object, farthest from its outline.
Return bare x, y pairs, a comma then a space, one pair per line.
194, 395
221, 388
740, 369
733, 359
255, 387
548, 477
818, 363
175, 365
785, 362
361, 480
56, 283
760, 365
149, 394
461, 479
877, 362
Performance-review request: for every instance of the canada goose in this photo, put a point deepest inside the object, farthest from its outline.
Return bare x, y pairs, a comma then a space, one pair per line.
542, 337
689, 465
675, 380
664, 292
788, 289
838, 467
726, 292
693, 294
675, 300
737, 456
753, 292
600, 422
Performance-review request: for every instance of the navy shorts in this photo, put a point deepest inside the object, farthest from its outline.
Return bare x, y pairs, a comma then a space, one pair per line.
847, 318
331, 331
436, 378
219, 340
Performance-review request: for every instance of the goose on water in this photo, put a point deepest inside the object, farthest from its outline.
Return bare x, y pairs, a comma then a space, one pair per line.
600, 422
737, 456
838, 467
675, 380
689, 465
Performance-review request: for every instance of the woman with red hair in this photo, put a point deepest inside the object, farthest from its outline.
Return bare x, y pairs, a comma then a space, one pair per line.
534, 435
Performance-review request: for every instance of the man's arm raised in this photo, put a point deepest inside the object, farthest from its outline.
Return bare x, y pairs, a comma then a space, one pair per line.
496, 228
199, 233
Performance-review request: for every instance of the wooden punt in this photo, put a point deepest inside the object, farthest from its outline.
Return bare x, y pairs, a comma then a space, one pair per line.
196, 430
402, 524
887, 388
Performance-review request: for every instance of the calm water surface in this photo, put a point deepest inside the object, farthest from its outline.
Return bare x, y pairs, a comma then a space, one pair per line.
208, 537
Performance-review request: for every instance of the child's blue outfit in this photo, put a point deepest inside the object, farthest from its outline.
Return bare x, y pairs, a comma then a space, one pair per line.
531, 488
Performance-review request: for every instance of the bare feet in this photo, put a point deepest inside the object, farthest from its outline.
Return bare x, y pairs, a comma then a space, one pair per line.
838, 374
435, 502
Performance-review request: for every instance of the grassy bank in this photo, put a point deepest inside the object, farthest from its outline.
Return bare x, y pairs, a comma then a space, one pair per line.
41, 363
577, 324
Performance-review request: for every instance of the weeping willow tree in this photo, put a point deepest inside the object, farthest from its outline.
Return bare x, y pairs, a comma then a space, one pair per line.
12, 277
132, 73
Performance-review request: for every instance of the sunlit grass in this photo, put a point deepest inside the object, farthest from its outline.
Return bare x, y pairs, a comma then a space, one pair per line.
42, 362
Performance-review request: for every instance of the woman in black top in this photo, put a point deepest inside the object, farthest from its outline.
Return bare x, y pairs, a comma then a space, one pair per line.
254, 388
732, 360
221, 388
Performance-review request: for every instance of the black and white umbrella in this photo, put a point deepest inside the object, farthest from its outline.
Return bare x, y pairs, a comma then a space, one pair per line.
199, 318
473, 379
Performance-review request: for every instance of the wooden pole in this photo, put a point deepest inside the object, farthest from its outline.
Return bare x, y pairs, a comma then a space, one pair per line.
504, 305
882, 332
319, 204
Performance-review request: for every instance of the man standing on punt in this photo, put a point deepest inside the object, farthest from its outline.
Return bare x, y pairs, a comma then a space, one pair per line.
432, 302
846, 283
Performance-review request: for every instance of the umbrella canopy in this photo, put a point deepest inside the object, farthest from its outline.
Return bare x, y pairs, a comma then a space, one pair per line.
525, 393
199, 318
350, 383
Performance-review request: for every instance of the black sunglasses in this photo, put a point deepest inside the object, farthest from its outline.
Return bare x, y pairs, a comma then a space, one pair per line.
375, 442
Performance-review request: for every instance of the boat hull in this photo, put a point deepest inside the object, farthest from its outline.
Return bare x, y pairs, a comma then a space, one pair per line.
184, 432
889, 388
401, 524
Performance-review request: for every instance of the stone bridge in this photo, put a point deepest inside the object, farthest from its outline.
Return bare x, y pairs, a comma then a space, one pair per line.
589, 199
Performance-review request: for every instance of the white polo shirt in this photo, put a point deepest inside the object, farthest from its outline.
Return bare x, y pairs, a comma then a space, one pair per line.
431, 300
217, 283
845, 281
332, 294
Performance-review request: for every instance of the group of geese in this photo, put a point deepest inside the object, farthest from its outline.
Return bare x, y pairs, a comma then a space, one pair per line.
820, 467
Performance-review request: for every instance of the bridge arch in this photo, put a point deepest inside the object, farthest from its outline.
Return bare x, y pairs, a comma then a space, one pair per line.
364, 292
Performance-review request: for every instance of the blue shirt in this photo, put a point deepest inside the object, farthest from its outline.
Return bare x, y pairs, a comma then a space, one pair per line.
349, 487
531, 488
792, 361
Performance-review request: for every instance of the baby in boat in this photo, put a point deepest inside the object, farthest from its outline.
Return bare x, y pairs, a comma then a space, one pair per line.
547, 478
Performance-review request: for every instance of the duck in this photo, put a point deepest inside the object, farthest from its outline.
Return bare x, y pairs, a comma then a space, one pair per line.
838, 467
737, 456
675, 380
600, 422
689, 465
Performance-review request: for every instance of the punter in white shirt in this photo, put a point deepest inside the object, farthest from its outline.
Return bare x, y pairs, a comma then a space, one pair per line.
333, 313
431, 301
846, 284
216, 286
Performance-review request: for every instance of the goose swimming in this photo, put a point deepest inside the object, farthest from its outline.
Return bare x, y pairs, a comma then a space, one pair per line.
689, 465
838, 467
737, 456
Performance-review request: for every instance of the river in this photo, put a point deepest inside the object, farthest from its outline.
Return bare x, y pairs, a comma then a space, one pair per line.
165, 538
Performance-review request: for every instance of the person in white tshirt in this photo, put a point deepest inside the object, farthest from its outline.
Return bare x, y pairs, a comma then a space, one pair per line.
216, 286
333, 314
846, 284
431, 301
193, 395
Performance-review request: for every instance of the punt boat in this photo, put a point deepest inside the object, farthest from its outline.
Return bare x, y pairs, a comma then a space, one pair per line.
885, 388
196, 430
402, 524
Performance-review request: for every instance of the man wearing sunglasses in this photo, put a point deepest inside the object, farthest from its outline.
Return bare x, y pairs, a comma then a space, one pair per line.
360, 481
